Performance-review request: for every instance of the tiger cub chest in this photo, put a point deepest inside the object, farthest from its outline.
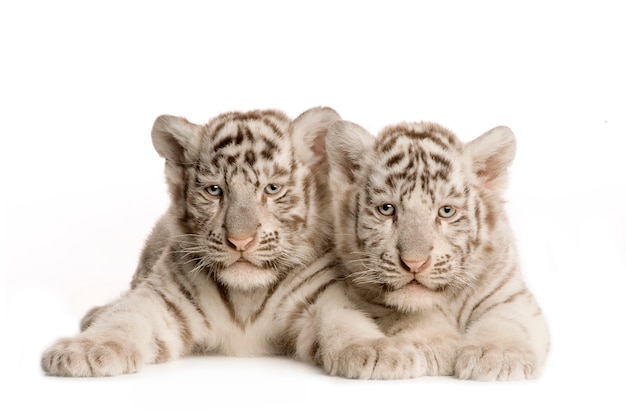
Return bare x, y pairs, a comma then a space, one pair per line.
243, 322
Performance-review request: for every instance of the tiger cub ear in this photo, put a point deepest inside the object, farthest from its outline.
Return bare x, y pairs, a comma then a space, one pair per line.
308, 132
347, 146
490, 156
175, 138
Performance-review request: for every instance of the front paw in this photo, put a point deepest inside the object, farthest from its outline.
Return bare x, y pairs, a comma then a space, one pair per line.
82, 357
494, 362
376, 359
440, 355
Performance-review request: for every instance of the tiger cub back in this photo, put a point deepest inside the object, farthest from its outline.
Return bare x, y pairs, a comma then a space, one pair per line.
422, 230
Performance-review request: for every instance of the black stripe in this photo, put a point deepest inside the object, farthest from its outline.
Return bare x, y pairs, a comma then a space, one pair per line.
359, 241
177, 314
440, 159
259, 311
310, 278
462, 309
394, 160
426, 136
272, 125
178, 276
163, 353
506, 279
226, 141
309, 301
223, 292
388, 143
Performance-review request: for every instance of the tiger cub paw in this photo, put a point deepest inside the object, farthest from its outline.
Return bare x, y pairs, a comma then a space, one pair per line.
440, 355
82, 357
376, 359
494, 362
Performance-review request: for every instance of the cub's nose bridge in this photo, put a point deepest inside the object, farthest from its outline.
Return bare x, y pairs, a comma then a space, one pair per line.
415, 239
415, 246
241, 220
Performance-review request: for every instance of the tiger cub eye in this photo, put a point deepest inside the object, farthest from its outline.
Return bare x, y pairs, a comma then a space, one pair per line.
214, 190
447, 211
387, 210
272, 189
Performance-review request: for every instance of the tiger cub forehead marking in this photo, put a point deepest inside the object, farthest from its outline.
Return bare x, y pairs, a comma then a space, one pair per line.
253, 143
418, 154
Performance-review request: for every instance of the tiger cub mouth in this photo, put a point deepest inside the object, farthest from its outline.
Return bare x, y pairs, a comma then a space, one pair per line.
416, 284
243, 262
245, 275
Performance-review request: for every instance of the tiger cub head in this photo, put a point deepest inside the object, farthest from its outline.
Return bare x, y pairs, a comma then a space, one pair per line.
417, 211
247, 192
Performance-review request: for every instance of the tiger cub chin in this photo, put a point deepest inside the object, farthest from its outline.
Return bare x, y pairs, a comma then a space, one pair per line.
421, 228
230, 265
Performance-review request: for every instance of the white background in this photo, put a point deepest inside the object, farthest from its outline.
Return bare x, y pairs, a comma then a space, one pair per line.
81, 84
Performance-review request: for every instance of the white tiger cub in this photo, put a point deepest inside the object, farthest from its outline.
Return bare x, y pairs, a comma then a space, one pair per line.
241, 263
421, 227
248, 201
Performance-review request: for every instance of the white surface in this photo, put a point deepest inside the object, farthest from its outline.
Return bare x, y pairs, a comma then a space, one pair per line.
82, 185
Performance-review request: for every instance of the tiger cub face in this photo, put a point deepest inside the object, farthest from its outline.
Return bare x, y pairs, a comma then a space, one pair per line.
418, 208
245, 191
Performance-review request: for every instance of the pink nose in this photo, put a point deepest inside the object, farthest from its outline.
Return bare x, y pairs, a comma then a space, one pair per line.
240, 243
416, 266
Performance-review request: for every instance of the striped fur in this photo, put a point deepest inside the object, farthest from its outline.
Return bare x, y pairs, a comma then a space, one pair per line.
429, 253
239, 261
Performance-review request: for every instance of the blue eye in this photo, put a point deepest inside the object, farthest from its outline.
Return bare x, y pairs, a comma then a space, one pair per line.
272, 189
447, 211
214, 190
387, 210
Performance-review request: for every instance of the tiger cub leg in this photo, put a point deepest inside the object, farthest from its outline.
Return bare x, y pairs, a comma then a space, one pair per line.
347, 343
90, 317
139, 328
503, 345
430, 332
